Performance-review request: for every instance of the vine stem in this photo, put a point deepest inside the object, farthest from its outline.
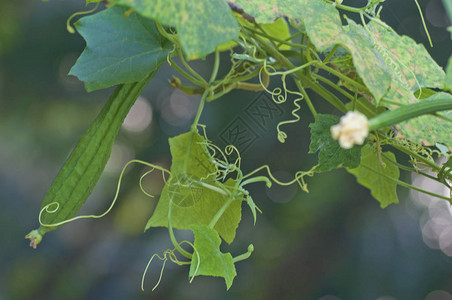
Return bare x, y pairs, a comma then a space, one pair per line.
173, 239
349, 8
407, 112
432, 165
200, 108
221, 211
190, 69
409, 186
185, 74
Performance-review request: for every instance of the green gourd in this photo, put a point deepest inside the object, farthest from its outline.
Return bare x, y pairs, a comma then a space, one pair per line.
82, 169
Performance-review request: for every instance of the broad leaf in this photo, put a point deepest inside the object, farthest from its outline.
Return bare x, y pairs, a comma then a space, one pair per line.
211, 261
410, 64
325, 30
331, 154
118, 49
412, 68
201, 25
373, 174
192, 192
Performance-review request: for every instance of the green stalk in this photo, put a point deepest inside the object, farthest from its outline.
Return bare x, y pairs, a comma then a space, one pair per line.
406, 185
221, 211
407, 112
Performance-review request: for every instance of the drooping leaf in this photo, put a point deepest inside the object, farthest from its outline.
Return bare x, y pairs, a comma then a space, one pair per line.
187, 191
211, 262
331, 154
118, 49
201, 25
373, 174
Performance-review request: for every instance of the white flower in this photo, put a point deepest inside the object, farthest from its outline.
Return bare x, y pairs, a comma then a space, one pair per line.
351, 130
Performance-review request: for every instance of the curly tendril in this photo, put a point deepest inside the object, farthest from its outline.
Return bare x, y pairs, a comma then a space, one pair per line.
169, 254
53, 207
279, 96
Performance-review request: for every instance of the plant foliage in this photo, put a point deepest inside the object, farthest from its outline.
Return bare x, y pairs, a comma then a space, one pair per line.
389, 79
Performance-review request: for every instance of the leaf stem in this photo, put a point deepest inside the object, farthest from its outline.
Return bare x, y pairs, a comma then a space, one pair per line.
185, 74
331, 54
334, 86
190, 69
216, 66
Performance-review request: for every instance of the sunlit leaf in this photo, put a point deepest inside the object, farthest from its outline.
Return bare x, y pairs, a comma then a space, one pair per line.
187, 192
118, 49
201, 25
373, 173
211, 261
331, 154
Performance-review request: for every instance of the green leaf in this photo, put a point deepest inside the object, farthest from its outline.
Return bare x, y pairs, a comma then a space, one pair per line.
211, 261
373, 174
327, 31
322, 23
410, 64
118, 49
412, 68
193, 192
331, 154
278, 29
201, 25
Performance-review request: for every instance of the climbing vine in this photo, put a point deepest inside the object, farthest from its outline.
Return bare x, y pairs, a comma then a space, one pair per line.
388, 92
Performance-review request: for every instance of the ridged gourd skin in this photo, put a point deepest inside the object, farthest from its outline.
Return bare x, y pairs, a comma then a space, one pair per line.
81, 171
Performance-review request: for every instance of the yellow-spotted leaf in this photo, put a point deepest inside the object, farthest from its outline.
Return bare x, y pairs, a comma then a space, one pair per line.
202, 25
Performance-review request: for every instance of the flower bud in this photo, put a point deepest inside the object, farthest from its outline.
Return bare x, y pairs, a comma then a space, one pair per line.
351, 130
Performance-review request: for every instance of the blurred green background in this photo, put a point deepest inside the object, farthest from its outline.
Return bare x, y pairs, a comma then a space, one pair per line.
333, 243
